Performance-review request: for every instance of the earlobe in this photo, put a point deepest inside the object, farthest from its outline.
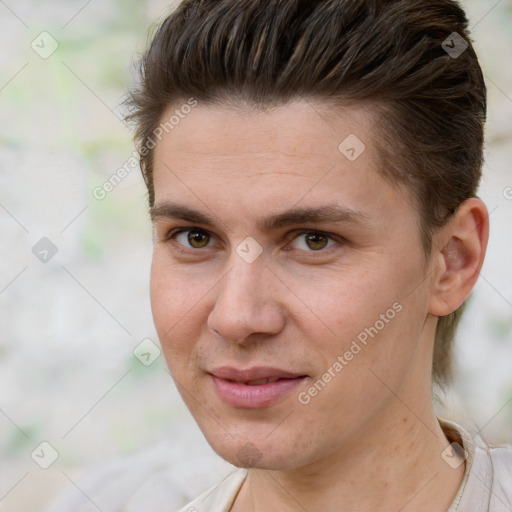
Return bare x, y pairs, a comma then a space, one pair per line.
460, 256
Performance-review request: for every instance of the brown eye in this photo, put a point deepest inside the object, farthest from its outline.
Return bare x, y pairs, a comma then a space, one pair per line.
198, 239
313, 241
316, 241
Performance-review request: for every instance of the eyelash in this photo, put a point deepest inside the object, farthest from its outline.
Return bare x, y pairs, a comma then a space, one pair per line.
171, 238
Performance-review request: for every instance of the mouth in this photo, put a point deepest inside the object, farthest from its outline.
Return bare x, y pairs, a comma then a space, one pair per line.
257, 382
256, 387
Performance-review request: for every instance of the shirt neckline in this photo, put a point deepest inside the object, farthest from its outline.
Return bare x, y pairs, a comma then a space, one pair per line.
474, 493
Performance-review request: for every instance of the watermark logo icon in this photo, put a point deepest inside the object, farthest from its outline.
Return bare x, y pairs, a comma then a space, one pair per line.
249, 250
455, 45
44, 45
249, 455
44, 250
352, 147
454, 455
44, 455
147, 352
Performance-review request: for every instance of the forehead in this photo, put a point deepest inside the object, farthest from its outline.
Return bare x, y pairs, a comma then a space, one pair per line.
302, 153
298, 130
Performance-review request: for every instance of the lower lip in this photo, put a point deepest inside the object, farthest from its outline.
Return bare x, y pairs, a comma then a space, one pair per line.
237, 394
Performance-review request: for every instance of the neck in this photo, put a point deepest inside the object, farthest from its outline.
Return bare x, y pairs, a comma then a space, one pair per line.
395, 464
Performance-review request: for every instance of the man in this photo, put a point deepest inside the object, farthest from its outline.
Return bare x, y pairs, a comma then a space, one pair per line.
312, 169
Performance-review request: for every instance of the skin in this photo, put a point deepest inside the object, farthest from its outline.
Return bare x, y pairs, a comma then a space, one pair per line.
369, 439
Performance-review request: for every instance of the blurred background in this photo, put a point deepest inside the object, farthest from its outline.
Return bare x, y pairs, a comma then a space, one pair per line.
88, 411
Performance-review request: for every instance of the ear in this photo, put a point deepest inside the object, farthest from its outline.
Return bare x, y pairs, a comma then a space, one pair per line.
458, 254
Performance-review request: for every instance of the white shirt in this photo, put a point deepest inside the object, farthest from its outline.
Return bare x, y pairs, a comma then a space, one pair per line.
486, 486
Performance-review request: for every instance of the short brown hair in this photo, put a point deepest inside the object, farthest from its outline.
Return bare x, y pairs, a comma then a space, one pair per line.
393, 53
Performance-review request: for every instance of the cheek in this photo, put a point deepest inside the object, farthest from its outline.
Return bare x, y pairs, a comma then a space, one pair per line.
174, 303
368, 316
347, 302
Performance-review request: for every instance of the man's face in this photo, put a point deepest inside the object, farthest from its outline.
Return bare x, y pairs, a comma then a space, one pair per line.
332, 303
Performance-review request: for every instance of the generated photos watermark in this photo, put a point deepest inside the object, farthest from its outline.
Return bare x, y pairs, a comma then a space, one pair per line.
454, 455
360, 342
101, 192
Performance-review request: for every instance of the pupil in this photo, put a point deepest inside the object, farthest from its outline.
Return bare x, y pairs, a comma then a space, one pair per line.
316, 240
196, 238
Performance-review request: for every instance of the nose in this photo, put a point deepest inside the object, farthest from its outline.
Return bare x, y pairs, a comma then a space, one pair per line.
247, 303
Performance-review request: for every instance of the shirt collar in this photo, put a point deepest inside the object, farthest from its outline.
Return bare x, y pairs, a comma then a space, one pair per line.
474, 494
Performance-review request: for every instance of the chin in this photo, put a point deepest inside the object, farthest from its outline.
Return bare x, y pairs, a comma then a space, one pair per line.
256, 454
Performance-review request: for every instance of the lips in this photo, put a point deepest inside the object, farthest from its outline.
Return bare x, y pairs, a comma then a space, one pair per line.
259, 381
254, 387
253, 375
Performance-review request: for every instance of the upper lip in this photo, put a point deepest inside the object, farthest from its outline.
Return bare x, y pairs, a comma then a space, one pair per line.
254, 373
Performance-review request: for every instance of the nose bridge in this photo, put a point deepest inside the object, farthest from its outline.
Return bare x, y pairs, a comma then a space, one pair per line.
254, 279
243, 287
246, 302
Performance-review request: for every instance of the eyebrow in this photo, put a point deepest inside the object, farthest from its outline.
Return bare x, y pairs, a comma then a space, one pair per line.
317, 215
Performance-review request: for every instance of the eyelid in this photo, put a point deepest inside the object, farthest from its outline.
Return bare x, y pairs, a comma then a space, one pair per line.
176, 231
